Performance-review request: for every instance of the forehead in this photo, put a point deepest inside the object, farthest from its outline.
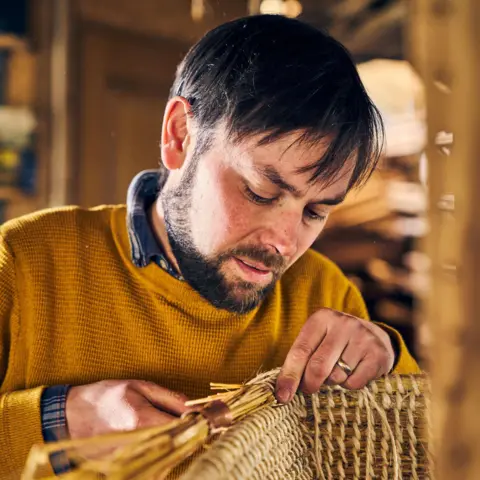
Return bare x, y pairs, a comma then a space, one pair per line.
289, 157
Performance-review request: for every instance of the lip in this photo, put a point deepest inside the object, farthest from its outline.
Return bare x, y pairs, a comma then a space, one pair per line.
253, 274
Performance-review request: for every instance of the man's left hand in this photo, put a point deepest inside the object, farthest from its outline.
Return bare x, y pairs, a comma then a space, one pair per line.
327, 337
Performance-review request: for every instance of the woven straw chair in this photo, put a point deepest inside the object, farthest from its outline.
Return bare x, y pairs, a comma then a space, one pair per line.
377, 432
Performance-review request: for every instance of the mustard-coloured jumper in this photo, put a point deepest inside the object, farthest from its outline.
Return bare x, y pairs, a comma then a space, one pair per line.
75, 310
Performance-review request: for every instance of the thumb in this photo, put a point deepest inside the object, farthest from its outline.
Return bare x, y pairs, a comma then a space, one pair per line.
162, 398
152, 417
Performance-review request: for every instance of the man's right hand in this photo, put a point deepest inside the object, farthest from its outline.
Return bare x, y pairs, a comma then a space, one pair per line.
120, 405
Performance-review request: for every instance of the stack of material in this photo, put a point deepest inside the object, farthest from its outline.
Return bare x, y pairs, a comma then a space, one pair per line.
378, 432
374, 236
384, 205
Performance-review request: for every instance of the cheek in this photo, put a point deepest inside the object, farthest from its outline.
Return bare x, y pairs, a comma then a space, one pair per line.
219, 215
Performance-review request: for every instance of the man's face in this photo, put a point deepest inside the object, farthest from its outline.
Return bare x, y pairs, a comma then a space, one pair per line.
238, 216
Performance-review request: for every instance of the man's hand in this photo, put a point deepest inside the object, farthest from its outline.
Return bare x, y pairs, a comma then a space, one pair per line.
327, 337
120, 405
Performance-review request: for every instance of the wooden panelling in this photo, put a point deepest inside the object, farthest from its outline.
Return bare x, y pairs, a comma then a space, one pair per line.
164, 18
124, 85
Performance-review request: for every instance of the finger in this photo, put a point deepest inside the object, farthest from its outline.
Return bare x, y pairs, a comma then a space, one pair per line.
310, 336
322, 362
367, 370
384, 341
152, 417
353, 354
163, 398
337, 377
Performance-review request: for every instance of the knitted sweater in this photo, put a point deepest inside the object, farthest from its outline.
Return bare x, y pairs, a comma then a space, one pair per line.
75, 310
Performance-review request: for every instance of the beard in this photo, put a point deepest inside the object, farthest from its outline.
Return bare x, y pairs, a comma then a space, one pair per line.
205, 274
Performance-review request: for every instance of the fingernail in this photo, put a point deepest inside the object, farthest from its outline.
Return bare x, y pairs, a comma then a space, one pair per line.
284, 395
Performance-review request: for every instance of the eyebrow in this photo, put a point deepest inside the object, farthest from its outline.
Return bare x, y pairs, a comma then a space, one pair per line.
274, 176
331, 201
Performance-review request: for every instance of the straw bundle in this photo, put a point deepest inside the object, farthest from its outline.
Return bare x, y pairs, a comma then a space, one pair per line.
375, 432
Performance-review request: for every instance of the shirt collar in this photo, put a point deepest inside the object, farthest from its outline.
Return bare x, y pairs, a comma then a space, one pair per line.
142, 193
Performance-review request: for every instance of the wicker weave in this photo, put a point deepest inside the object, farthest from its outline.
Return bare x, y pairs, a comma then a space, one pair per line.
378, 432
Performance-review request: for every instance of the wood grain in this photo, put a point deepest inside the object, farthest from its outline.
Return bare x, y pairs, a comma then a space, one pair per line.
448, 53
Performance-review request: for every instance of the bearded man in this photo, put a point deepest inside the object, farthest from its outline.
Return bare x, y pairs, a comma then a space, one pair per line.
111, 317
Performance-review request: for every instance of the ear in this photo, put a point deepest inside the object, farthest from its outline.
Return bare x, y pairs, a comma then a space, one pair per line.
176, 132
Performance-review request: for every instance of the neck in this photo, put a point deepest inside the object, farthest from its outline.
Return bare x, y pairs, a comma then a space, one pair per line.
157, 222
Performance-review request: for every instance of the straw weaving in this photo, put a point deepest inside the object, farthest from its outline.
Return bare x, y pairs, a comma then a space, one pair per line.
377, 432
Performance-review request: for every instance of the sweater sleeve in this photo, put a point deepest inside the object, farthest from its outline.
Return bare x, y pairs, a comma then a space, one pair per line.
404, 362
20, 425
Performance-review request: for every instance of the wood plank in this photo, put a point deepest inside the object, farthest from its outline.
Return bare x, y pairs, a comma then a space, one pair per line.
448, 54
21, 78
61, 104
42, 32
160, 18
12, 42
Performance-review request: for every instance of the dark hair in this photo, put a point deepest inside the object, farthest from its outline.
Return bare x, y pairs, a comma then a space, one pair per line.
274, 75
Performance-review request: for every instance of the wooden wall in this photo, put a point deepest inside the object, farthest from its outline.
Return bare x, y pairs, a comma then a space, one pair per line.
447, 50
114, 66
97, 74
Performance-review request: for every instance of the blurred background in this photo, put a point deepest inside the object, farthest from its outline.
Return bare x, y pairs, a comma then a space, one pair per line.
83, 85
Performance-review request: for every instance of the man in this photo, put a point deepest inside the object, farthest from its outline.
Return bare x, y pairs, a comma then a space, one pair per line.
206, 273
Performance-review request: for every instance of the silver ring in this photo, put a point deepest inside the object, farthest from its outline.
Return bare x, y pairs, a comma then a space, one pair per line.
345, 367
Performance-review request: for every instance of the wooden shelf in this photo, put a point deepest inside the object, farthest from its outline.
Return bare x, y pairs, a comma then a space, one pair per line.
14, 194
12, 42
18, 202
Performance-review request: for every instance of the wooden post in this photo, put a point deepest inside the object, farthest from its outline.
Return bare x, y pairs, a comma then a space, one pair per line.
446, 48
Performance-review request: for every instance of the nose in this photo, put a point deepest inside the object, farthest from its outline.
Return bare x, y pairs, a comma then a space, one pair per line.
281, 235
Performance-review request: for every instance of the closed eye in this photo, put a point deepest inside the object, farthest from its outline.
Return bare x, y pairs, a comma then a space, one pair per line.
312, 215
259, 200
255, 198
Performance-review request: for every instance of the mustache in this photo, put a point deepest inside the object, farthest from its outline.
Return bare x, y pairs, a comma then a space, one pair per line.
269, 259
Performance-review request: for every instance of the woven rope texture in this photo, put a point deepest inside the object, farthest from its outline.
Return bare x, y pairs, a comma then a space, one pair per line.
378, 432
